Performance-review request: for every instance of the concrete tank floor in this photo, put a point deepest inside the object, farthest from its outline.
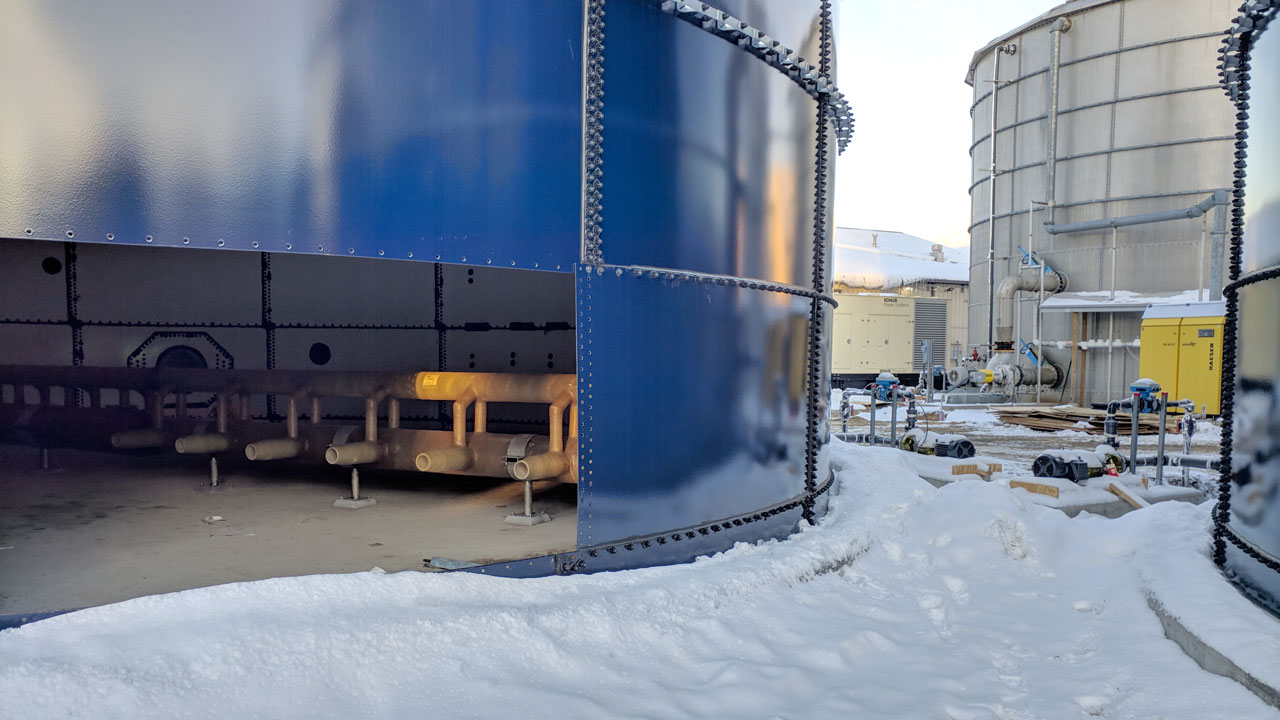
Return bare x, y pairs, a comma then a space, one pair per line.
99, 528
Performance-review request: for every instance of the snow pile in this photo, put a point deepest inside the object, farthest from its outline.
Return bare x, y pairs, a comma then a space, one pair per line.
891, 260
905, 602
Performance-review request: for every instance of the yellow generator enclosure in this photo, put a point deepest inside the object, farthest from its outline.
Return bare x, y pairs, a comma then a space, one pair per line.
872, 333
1182, 350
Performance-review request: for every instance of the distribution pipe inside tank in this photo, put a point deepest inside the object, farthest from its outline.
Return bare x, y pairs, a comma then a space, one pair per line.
559, 391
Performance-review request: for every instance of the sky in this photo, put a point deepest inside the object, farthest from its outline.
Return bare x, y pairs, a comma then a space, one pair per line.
902, 65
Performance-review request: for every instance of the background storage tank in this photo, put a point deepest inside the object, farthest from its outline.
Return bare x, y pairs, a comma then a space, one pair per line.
1103, 109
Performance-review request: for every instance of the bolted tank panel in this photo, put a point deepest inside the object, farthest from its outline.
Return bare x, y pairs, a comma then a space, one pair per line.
1248, 517
1142, 127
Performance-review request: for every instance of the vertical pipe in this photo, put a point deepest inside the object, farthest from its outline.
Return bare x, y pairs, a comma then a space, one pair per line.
315, 410
1084, 359
1188, 427
528, 498
222, 413
1164, 409
213, 471
155, 406
1133, 433
1111, 317
371, 420
460, 417
1075, 345
1040, 336
1219, 244
355, 483
291, 418
1204, 234
482, 416
244, 398
873, 417
991, 211
1111, 335
1113, 263
180, 406
393, 412
1058, 27
893, 418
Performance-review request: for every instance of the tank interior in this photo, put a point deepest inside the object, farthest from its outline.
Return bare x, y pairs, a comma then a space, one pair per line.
174, 418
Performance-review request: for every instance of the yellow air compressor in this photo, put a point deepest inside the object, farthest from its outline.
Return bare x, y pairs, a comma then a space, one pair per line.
1182, 351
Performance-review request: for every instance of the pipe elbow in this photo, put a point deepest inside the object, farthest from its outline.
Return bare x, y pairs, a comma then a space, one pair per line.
1061, 25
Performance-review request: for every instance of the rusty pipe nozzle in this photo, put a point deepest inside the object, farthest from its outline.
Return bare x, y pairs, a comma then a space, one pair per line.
356, 453
540, 467
445, 459
139, 439
202, 444
276, 449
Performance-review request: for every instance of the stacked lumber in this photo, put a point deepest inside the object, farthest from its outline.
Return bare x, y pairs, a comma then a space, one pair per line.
1070, 417
982, 469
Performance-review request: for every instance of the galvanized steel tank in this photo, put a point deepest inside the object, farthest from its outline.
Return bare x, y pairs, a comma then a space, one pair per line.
660, 186
1247, 518
1141, 127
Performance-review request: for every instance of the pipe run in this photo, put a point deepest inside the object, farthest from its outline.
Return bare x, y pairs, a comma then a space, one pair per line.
1219, 198
991, 190
1023, 281
1059, 26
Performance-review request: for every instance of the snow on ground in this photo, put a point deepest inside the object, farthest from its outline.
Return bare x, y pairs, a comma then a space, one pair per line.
904, 602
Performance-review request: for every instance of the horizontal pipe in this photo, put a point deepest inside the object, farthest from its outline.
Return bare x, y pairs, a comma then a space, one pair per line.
863, 438
1202, 462
1097, 201
448, 459
1219, 197
202, 444
540, 467
489, 387
494, 387
274, 382
273, 449
356, 453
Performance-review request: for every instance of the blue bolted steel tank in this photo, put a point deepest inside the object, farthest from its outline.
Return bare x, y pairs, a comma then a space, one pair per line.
672, 158
1247, 517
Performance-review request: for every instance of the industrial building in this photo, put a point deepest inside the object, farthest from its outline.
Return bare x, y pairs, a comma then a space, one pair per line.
898, 296
1101, 152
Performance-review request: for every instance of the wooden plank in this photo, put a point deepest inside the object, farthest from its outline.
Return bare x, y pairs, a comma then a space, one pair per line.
1126, 495
966, 469
1036, 488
